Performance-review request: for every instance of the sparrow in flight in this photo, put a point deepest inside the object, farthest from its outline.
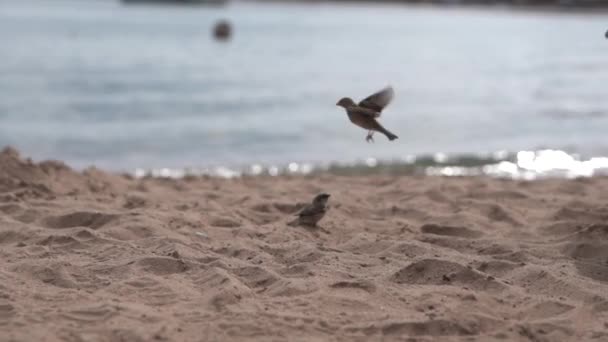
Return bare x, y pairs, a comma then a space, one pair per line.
367, 111
312, 213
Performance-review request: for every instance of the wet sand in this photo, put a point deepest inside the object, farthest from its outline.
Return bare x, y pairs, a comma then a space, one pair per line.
92, 256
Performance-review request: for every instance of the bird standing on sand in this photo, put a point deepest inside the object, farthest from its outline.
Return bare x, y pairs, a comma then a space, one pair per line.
367, 111
312, 213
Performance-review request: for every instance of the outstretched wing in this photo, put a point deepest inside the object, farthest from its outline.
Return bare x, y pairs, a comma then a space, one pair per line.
363, 111
379, 100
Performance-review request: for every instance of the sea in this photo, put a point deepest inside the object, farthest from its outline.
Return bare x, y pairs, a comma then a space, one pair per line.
147, 89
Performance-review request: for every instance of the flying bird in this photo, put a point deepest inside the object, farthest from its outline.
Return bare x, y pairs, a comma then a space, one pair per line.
367, 111
312, 213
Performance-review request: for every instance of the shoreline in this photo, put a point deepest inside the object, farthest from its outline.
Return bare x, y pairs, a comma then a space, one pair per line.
526, 165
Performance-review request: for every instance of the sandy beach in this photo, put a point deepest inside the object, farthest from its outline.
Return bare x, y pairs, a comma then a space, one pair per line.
92, 256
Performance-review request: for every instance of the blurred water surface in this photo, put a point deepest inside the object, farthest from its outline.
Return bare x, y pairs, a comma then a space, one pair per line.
121, 87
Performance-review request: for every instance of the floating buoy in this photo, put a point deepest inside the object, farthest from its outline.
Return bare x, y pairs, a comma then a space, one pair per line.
222, 30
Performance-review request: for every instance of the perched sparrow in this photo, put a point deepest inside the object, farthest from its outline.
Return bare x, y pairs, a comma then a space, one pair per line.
367, 111
312, 213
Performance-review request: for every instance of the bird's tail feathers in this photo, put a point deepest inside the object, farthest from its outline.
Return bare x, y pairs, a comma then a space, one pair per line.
388, 134
391, 136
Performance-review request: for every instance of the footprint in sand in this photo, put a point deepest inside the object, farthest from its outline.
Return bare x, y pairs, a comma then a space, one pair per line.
462, 232
6, 311
135, 202
61, 240
224, 222
92, 220
364, 285
442, 272
589, 249
91, 314
11, 208
162, 265
221, 288
12, 236
301, 270
53, 274
438, 327
256, 277
20, 213
108, 334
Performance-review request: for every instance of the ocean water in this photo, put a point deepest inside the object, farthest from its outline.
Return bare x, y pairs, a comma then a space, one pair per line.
125, 87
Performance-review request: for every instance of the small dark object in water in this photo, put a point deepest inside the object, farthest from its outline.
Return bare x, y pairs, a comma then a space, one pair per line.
222, 30
606, 34
176, 2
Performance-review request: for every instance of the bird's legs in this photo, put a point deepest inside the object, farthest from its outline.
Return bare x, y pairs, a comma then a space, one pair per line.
370, 136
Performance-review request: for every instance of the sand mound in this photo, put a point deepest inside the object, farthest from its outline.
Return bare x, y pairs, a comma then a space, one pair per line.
88, 256
23, 178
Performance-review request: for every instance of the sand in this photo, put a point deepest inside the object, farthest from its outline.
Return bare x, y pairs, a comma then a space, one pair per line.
92, 256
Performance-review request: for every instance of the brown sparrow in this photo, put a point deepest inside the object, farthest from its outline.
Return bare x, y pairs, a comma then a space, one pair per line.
367, 111
312, 213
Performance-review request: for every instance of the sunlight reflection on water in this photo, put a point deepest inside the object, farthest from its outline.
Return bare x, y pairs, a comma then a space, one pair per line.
525, 165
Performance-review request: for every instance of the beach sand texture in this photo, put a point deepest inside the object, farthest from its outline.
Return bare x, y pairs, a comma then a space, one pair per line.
91, 256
